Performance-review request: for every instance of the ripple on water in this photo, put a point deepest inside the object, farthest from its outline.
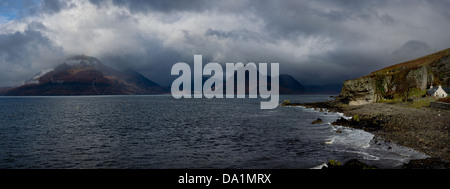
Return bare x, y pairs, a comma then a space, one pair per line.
162, 132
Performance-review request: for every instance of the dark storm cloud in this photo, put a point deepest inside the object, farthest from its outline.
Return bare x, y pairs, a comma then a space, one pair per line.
412, 49
154, 63
222, 34
160, 5
242, 35
53, 6
16, 46
441, 7
328, 40
22, 52
343, 63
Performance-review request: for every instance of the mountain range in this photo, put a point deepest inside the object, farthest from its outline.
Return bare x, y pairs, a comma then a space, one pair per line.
85, 75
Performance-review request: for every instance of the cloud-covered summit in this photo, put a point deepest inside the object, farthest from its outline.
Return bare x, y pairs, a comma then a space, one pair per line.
318, 42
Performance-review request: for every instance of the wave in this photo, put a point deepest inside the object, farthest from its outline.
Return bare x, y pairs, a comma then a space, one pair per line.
352, 137
365, 155
320, 166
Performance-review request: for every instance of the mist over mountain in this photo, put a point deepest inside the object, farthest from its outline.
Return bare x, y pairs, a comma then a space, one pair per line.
84, 75
288, 85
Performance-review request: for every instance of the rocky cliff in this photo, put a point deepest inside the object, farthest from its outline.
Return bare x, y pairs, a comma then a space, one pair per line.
417, 74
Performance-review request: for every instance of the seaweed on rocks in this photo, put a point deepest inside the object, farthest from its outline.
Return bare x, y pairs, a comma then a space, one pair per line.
351, 164
317, 121
366, 123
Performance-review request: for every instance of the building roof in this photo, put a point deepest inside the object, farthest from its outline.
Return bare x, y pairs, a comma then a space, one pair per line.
446, 89
434, 89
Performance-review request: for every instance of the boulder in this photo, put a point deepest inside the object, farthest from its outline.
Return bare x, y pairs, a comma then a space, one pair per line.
351, 164
317, 121
428, 163
356, 164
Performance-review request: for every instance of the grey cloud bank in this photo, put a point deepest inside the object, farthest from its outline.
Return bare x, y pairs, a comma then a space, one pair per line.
318, 42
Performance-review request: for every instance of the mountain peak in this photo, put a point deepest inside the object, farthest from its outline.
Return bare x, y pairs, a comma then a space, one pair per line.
83, 57
83, 61
85, 75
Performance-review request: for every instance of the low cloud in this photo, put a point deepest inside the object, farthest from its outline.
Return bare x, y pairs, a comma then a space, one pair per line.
23, 53
412, 49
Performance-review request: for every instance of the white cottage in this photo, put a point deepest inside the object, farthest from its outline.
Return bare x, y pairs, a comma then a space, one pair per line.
438, 92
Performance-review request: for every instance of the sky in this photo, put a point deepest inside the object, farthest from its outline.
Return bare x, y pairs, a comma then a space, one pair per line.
318, 42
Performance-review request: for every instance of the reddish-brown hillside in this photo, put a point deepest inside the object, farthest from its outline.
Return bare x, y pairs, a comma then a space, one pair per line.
83, 75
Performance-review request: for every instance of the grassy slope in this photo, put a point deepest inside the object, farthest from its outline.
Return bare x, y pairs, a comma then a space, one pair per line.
426, 60
400, 70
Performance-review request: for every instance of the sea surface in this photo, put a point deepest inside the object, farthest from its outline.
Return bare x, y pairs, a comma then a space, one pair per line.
155, 132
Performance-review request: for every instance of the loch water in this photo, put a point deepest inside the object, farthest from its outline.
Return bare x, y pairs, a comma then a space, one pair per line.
156, 132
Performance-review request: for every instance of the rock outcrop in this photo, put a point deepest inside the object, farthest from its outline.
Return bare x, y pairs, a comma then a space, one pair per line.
418, 74
358, 91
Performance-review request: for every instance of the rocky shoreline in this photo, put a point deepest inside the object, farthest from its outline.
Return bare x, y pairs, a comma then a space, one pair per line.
423, 129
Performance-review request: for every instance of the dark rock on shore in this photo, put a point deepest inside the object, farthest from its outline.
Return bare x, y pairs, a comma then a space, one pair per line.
333, 106
356, 164
333, 164
428, 163
317, 121
424, 129
351, 164
364, 123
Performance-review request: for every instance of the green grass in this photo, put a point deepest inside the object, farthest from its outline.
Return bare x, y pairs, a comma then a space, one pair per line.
285, 103
395, 100
356, 118
418, 101
416, 93
425, 102
425, 60
334, 163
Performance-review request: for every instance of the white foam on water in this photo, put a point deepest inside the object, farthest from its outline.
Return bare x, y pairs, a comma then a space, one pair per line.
348, 137
356, 141
352, 137
342, 115
392, 151
365, 155
329, 141
320, 166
